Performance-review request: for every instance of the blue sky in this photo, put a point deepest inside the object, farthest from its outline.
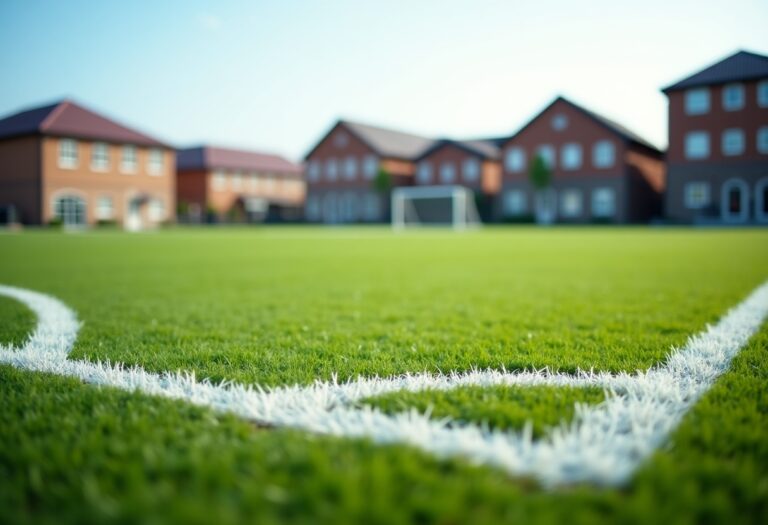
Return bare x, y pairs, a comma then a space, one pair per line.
274, 75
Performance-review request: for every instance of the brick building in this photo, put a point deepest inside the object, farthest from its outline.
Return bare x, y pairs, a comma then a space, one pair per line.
717, 162
237, 186
65, 163
601, 171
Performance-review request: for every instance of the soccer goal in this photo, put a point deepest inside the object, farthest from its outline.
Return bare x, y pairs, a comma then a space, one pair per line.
434, 206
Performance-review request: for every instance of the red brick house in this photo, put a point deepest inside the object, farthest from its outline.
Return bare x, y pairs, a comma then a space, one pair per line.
601, 171
237, 186
474, 164
342, 169
717, 162
65, 163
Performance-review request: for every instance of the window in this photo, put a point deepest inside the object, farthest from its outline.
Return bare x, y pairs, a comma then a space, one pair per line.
313, 208
269, 183
762, 140
237, 181
99, 156
733, 97
570, 156
762, 94
603, 203
70, 210
68, 153
350, 167
447, 172
547, 153
471, 170
372, 207
697, 145
313, 170
515, 159
514, 203
570, 203
696, 195
331, 169
370, 166
253, 182
155, 165
424, 173
732, 142
104, 208
559, 122
156, 210
128, 159
697, 101
603, 154
218, 181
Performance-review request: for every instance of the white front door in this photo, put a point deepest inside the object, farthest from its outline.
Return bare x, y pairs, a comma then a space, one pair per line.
133, 220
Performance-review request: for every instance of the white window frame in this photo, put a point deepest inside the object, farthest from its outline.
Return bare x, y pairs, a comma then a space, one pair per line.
100, 156
237, 181
548, 153
726, 139
331, 169
603, 203
370, 166
350, 168
736, 104
424, 172
155, 162
105, 208
571, 156
515, 203
470, 169
571, 203
514, 160
129, 162
761, 140
603, 154
559, 122
219, 180
253, 181
156, 210
697, 101
76, 208
690, 137
697, 195
313, 171
447, 172
762, 94
69, 155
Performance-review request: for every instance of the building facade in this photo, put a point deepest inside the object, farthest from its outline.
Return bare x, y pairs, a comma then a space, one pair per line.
65, 164
473, 164
718, 143
351, 168
601, 171
229, 185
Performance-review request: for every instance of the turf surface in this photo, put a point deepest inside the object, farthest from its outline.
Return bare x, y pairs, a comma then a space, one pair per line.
280, 306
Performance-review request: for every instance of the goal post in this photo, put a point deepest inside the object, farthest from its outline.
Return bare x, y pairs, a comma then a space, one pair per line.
452, 206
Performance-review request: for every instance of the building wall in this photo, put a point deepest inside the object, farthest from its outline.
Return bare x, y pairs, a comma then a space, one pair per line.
20, 177
329, 196
90, 184
646, 183
717, 171
449, 154
581, 130
191, 190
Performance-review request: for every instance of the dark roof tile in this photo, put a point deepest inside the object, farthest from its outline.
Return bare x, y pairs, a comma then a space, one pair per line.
211, 157
742, 65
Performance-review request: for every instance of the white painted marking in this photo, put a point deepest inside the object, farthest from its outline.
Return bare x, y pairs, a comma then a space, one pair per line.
604, 444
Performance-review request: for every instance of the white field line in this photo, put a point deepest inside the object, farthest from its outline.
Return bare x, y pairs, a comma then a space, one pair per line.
604, 443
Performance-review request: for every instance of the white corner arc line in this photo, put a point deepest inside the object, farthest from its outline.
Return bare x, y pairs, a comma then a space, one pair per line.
604, 444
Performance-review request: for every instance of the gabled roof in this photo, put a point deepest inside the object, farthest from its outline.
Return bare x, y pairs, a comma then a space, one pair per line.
67, 118
211, 157
742, 65
614, 127
485, 148
383, 141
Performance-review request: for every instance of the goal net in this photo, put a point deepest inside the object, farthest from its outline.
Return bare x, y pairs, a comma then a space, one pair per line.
434, 206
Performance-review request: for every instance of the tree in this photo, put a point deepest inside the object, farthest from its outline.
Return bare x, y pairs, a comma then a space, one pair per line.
540, 174
383, 181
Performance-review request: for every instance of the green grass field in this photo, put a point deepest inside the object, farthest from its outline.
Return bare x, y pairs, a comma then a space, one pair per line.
280, 306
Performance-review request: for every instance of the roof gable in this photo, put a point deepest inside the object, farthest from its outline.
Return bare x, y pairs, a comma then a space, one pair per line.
212, 157
383, 141
67, 118
612, 126
485, 149
742, 65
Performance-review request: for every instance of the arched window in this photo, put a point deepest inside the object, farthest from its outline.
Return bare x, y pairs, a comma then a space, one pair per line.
70, 209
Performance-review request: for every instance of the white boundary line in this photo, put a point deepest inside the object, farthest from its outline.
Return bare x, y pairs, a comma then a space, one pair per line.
604, 444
